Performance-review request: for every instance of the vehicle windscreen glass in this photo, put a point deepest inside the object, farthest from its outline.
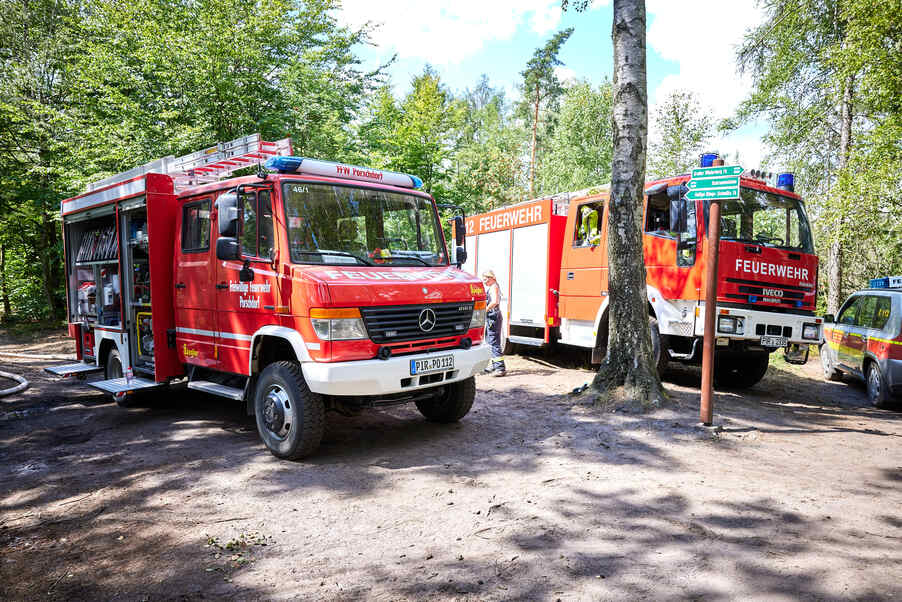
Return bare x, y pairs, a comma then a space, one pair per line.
346, 225
765, 219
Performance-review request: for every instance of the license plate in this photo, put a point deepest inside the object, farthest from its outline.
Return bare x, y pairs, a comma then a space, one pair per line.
432, 364
774, 341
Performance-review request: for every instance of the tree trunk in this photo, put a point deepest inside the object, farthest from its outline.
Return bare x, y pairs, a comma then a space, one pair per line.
532, 162
4, 290
49, 269
835, 253
629, 362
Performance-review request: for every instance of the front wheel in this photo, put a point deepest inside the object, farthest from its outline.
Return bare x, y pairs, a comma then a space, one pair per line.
113, 369
290, 417
658, 349
452, 404
740, 372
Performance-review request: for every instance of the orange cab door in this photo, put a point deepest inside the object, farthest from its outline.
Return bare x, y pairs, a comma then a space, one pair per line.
584, 262
195, 304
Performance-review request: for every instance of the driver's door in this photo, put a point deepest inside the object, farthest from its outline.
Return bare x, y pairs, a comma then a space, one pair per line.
845, 323
245, 307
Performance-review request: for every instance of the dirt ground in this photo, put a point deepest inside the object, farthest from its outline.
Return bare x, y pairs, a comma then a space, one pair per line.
796, 494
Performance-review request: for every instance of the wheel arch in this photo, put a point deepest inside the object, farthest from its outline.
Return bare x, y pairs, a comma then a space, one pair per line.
273, 343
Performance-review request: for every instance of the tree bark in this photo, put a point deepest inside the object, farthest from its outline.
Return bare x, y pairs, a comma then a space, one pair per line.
629, 361
835, 252
4, 290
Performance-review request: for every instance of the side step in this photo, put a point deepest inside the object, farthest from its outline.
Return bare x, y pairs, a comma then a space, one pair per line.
217, 389
532, 341
70, 369
118, 386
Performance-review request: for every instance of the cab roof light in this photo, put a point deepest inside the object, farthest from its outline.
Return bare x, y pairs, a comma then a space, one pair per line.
317, 167
786, 181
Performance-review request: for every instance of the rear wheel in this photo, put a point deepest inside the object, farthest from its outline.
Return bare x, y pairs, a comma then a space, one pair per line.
740, 372
877, 392
113, 369
830, 371
451, 405
290, 417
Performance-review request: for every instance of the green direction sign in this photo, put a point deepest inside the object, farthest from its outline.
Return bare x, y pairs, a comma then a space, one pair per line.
723, 170
723, 182
713, 194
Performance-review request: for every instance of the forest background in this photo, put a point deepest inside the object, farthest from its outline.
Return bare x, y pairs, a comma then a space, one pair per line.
89, 88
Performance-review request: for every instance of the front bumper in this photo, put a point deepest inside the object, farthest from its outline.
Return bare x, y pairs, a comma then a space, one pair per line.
753, 320
384, 377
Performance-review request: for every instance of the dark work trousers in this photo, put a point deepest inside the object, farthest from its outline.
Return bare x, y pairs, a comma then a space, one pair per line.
493, 336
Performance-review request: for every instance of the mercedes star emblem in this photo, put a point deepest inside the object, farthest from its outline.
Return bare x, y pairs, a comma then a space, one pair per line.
427, 320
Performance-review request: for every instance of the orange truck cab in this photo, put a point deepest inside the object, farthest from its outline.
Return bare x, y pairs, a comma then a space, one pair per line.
767, 274
307, 287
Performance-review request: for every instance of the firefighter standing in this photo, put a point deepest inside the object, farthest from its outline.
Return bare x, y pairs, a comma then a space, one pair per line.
493, 322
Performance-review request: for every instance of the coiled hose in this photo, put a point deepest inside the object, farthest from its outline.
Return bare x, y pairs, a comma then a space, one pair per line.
23, 382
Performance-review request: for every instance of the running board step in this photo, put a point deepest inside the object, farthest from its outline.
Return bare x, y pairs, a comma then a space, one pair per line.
70, 369
534, 342
217, 389
118, 386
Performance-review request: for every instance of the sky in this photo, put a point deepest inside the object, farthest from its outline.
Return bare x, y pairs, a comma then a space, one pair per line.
690, 45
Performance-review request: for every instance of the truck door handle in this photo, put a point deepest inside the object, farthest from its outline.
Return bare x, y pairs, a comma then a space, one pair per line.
179, 285
222, 285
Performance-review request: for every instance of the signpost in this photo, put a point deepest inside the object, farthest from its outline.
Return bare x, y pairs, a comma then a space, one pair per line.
715, 183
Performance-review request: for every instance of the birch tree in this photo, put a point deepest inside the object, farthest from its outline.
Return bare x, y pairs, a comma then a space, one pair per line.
629, 361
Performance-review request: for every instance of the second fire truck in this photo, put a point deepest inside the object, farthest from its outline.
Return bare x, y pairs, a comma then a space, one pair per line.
550, 256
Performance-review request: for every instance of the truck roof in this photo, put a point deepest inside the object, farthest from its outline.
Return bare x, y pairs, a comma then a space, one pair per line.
743, 181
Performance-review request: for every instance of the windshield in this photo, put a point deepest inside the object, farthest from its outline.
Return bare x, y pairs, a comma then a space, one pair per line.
766, 219
342, 224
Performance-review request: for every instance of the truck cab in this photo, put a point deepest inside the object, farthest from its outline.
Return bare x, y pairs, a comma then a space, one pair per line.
307, 287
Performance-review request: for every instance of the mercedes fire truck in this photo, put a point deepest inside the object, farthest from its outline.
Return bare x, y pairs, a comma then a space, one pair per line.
310, 286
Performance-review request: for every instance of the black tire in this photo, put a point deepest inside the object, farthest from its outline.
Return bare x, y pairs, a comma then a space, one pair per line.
290, 417
658, 350
740, 372
452, 405
876, 386
831, 373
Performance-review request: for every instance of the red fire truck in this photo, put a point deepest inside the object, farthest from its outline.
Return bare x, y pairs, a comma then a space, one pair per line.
550, 256
310, 286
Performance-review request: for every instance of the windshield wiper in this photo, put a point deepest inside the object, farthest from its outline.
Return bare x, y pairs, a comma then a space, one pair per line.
414, 257
338, 253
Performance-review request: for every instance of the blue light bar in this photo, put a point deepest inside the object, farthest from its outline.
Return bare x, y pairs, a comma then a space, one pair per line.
708, 159
330, 169
879, 283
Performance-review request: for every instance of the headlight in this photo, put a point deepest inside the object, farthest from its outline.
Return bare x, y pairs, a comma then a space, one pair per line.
809, 331
730, 325
478, 319
338, 324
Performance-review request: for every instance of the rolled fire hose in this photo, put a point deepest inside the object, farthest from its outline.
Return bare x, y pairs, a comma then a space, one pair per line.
23, 383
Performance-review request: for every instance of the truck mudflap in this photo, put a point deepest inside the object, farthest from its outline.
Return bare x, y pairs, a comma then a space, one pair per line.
72, 369
396, 374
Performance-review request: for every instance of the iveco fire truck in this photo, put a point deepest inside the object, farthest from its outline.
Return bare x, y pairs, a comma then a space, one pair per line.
310, 286
550, 256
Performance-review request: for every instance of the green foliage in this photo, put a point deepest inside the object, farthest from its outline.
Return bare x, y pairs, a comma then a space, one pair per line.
579, 149
682, 129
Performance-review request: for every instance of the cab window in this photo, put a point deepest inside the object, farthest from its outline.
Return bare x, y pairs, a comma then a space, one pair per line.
848, 313
196, 226
866, 309
256, 234
662, 216
587, 226
882, 311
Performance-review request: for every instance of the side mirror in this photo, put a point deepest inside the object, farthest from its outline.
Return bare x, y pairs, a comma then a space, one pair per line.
227, 210
829, 319
796, 354
460, 256
227, 248
246, 274
460, 230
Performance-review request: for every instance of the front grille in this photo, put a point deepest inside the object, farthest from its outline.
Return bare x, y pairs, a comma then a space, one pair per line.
397, 323
770, 284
